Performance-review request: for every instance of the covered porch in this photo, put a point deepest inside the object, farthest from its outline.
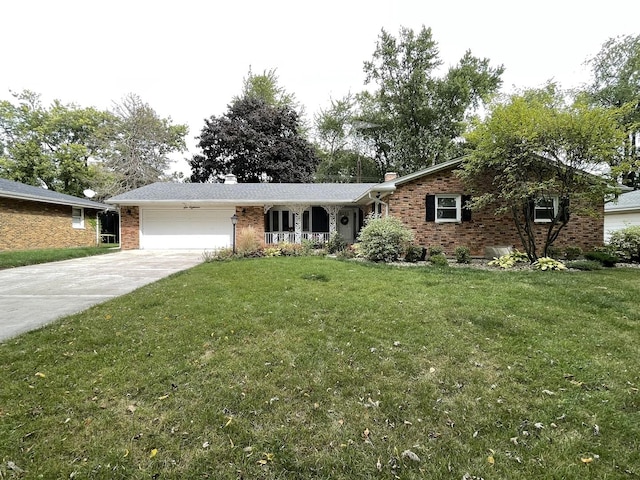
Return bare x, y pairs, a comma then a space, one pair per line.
315, 223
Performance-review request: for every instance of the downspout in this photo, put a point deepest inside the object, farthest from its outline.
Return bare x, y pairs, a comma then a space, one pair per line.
377, 200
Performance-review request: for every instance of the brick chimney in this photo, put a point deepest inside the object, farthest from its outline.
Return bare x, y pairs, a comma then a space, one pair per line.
390, 176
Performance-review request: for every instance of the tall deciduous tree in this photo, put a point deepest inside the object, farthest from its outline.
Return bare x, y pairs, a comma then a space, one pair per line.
50, 146
616, 83
140, 145
535, 148
419, 117
344, 153
255, 141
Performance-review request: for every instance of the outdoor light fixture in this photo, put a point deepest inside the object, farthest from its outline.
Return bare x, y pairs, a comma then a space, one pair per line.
234, 221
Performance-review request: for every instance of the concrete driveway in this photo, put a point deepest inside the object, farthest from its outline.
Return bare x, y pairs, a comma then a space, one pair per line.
35, 295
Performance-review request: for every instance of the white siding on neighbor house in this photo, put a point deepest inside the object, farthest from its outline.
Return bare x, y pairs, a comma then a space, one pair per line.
185, 228
617, 221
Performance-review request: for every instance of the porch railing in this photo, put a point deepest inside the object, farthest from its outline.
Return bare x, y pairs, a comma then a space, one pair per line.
271, 238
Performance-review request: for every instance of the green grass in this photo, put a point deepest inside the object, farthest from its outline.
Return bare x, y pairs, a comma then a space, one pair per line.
294, 368
31, 257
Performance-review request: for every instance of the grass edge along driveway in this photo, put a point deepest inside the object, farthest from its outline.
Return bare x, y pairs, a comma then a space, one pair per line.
316, 368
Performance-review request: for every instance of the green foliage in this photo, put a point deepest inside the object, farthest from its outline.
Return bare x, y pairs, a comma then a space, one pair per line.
616, 84
271, 366
548, 263
21, 258
272, 252
439, 260
416, 117
348, 253
606, 259
435, 250
256, 142
587, 265
336, 243
510, 260
291, 249
51, 145
265, 86
344, 157
572, 253
413, 253
383, 239
535, 145
627, 243
462, 254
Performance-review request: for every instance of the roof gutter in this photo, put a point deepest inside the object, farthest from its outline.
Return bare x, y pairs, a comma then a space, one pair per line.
34, 198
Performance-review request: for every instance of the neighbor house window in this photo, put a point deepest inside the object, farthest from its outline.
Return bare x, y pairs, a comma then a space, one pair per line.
545, 209
77, 216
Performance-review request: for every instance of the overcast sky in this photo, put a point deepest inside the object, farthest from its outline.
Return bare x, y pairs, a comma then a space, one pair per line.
187, 58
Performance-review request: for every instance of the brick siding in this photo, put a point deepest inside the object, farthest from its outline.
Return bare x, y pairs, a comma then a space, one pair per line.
484, 229
129, 228
251, 217
28, 225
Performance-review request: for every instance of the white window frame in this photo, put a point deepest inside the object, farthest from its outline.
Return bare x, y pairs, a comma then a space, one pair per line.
457, 208
536, 209
77, 221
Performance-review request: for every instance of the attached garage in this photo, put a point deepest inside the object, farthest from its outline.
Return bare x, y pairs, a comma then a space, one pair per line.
185, 228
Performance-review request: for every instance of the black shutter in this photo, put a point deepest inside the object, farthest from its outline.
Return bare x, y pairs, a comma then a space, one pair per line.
431, 208
466, 211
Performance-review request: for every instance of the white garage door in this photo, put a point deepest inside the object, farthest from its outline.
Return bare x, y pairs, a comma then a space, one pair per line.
184, 228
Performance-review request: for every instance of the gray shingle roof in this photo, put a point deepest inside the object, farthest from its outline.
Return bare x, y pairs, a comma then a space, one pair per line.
11, 189
245, 193
626, 201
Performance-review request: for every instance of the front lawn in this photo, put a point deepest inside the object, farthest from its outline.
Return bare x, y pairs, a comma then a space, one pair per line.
295, 368
21, 258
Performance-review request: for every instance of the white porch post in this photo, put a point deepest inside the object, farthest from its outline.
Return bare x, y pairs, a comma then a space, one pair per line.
332, 210
298, 211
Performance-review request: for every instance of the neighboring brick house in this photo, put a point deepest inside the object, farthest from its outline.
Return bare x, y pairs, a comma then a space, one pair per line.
32, 218
431, 202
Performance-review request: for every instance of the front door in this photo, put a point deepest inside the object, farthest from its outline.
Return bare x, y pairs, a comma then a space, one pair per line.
347, 222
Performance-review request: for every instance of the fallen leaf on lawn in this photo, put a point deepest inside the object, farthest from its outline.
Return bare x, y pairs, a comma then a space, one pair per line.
205, 445
126, 453
163, 397
379, 465
40, 374
229, 420
548, 392
410, 455
131, 408
586, 459
491, 460
14, 467
153, 453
